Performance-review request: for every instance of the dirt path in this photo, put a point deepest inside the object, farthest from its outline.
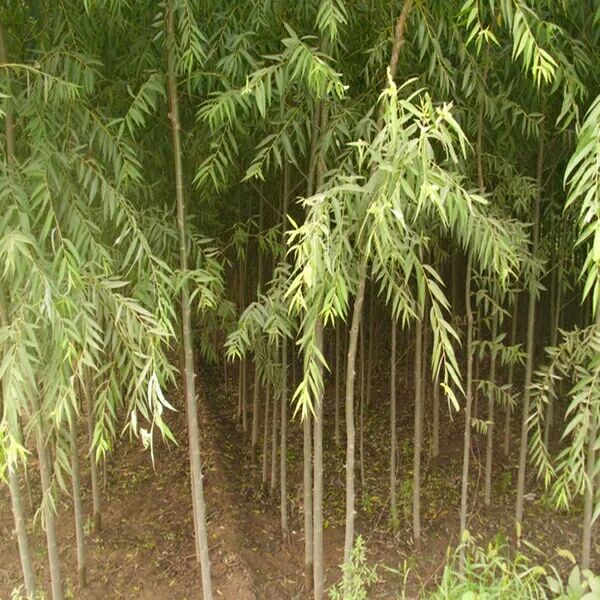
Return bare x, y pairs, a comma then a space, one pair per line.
146, 547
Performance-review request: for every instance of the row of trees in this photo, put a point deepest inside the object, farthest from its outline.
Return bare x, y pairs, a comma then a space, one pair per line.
254, 172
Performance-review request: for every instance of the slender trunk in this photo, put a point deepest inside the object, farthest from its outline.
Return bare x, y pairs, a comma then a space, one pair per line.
490, 418
555, 307
96, 505
511, 374
418, 436
77, 505
265, 455
361, 418
530, 343
308, 507
284, 386
21, 529
468, 400
371, 344
590, 492
337, 386
435, 434
47, 506
274, 439
318, 482
393, 503
353, 337
190, 385
13, 477
350, 430
255, 412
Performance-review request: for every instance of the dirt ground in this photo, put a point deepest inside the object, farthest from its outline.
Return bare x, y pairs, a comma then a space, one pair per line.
146, 548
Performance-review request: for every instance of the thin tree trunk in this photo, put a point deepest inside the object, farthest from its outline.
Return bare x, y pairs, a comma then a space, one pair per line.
511, 374
590, 491
469, 398
555, 307
393, 503
308, 508
77, 505
265, 456
337, 386
350, 430
255, 412
47, 507
21, 529
96, 503
490, 418
530, 343
418, 436
318, 483
353, 336
274, 439
285, 534
371, 344
190, 385
13, 478
361, 418
435, 434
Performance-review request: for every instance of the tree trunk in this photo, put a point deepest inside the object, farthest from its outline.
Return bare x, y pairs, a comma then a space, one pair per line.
530, 343
361, 418
47, 506
274, 439
490, 418
13, 478
435, 434
393, 503
511, 374
350, 430
265, 456
371, 344
555, 307
188, 348
284, 386
21, 529
353, 336
337, 386
255, 413
318, 482
468, 401
418, 436
308, 508
590, 492
77, 505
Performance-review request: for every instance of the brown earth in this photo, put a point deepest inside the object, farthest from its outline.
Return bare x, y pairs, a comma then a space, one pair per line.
146, 548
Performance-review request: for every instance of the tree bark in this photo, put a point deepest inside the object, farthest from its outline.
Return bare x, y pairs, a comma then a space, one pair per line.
77, 505
469, 398
337, 386
393, 503
285, 534
265, 456
418, 435
13, 478
190, 385
511, 374
490, 432
47, 508
350, 429
255, 413
530, 342
590, 492
318, 483
353, 336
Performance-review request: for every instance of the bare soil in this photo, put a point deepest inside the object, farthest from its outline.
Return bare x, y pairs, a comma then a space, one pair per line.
146, 547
